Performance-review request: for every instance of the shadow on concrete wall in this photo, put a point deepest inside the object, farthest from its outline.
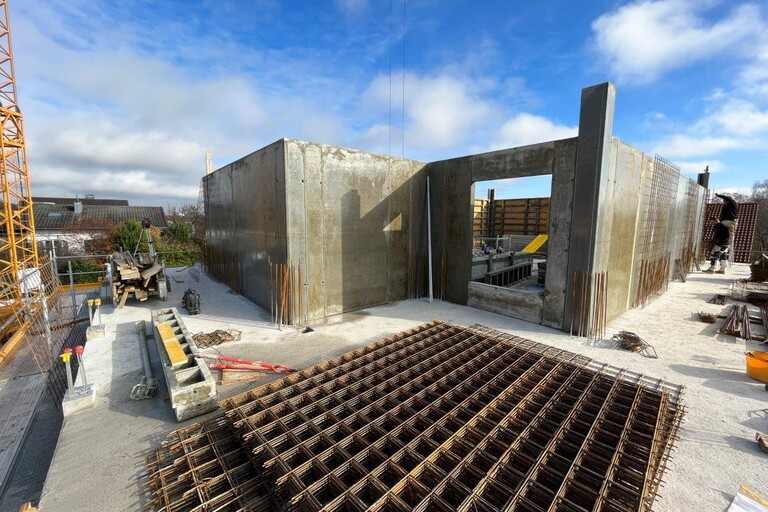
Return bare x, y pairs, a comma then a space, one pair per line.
383, 254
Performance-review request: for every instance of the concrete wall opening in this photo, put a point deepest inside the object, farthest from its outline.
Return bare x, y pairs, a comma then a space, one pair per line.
510, 233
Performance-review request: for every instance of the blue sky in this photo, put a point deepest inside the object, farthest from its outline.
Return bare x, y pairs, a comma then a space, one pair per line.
122, 99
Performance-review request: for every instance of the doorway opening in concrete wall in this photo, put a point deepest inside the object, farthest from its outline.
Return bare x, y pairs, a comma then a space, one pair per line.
510, 228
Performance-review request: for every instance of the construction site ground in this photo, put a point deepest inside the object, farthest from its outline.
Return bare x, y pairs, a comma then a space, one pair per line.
98, 461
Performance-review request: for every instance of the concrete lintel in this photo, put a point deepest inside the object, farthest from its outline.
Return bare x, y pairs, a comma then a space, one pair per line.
531, 160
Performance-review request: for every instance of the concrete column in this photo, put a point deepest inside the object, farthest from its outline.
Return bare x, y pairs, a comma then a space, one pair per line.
592, 162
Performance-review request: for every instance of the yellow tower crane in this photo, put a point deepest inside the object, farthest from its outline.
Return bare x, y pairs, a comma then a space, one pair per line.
18, 249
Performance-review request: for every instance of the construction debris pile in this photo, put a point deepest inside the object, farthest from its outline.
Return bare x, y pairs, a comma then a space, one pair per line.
139, 275
440, 417
718, 299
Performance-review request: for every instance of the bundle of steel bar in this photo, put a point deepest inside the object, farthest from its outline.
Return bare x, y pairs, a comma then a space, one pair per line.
718, 299
634, 343
440, 417
589, 304
217, 337
739, 322
680, 270
653, 279
732, 325
286, 291
707, 318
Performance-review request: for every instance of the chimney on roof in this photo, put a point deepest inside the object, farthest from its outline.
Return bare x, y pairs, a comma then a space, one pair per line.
78, 206
208, 162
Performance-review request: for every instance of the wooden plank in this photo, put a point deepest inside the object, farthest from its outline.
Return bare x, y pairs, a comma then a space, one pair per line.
154, 269
123, 298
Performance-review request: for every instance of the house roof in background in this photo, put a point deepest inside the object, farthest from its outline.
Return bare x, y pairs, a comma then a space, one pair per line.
61, 217
71, 200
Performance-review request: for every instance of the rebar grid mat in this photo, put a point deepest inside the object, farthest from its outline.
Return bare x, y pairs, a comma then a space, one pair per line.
654, 259
440, 417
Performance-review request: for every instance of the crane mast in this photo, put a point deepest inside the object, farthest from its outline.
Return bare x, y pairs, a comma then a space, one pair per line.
18, 249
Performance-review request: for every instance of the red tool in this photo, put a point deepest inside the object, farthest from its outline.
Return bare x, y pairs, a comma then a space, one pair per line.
232, 363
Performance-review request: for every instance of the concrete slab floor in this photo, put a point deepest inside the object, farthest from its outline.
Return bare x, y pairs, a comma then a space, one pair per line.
99, 457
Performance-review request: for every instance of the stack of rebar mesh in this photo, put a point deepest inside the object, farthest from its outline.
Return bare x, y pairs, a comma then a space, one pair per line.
439, 417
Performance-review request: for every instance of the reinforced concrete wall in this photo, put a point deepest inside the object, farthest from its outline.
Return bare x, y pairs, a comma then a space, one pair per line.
245, 221
354, 222
452, 195
643, 223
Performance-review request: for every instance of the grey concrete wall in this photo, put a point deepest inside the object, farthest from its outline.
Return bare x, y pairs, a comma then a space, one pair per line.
560, 219
622, 229
506, 301
354, 225
618, 246
592, 188
452, 192
245, 221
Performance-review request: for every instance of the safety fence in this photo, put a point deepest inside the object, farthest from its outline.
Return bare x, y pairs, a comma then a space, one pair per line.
38, 315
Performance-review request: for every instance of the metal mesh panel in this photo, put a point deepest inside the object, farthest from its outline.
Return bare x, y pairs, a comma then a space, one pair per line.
654, 261
440, 417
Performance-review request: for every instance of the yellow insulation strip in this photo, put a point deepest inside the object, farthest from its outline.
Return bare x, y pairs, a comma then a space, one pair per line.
172, 346
536, 244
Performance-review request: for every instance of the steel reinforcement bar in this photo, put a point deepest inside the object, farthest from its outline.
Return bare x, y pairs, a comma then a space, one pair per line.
440, 417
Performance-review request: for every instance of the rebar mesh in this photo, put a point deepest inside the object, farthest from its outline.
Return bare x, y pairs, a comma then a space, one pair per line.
654, 258
440, 417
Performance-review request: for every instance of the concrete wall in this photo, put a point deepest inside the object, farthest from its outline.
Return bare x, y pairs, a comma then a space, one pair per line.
245, 221
355, 226
621, 234
506, 301
452, 194
354, 222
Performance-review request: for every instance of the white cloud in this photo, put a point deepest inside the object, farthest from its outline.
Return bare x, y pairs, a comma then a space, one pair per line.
527, 128
729, 124
691, 167
688, 146
441, 110
738, 117
746, 191
102, 104
352, 7
644, 39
